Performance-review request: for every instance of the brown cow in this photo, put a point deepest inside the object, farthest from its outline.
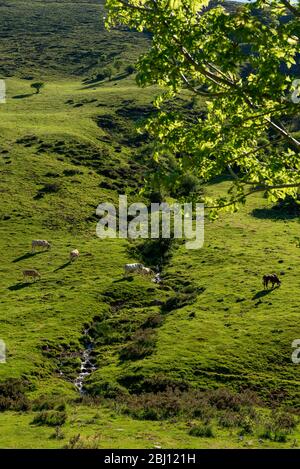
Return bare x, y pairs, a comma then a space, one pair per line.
33, 273
272, 278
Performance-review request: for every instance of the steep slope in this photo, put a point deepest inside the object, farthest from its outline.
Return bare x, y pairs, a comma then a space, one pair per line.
176, 351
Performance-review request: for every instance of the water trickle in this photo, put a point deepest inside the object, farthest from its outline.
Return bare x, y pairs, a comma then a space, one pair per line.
86, 367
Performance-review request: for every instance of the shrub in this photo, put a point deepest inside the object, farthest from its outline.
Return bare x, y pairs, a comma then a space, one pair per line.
58, 434
188, 184
71, 172
280, 436
138, 383
247, 426
105, 389
37, 86
284, 421
48, 188
278, 426
225, 399
79, 442
153, 321
142, 345
200, 410
178, 301
12, 395
45, 403
266, 432
50, 418
229, 419
52, 174
152, 406
130, 69
202, 431
153, 252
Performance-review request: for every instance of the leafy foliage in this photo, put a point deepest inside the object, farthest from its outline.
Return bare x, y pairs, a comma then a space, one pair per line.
243, 62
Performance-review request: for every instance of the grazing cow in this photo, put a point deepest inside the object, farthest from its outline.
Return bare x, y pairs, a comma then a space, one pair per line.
40, 243
146, 271
33, 273
272, 278
133, 268
74, 255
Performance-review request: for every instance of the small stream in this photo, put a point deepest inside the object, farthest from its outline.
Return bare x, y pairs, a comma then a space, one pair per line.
86, 367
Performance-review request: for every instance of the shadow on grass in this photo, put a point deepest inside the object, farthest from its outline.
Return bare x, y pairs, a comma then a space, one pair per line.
28, 255
274, 214
63, 266
93, 84
262, 293
19, 286
88, 84
124, 279
22, 96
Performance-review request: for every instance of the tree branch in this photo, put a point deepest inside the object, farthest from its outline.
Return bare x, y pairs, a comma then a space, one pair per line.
215, 78
291, 8
135, 7
253, 191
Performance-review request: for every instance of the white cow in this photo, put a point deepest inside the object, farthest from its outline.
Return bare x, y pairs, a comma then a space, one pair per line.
40, 243
133, 268
74, 255
146, 271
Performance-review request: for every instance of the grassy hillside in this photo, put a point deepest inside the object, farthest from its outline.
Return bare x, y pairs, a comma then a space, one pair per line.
200, 360
62, 38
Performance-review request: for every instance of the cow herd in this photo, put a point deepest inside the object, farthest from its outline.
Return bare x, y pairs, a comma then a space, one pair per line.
74, 254
129, 269
45, 245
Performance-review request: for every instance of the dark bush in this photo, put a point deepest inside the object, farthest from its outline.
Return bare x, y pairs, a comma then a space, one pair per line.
161, 402
104, 389
45, 403
203, 431
229, 419
152, 406
51, 418
48, 188
142, 345
153, 321
71, 172
178, 301
52, 174
247, 426
12, 395
188, 185
58, 434
130, 69
280, 436
284, 421
153, 252
224, 398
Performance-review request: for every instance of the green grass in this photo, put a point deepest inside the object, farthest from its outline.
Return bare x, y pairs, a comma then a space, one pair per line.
62, 38
101, 428
64, 151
